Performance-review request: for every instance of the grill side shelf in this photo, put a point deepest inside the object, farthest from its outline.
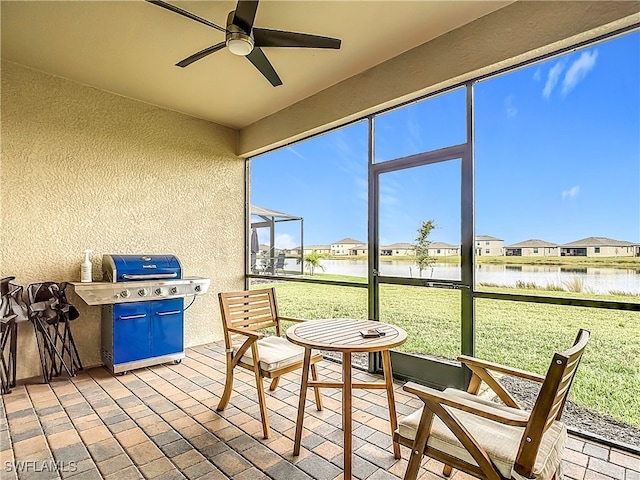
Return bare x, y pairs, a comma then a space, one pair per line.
106, 293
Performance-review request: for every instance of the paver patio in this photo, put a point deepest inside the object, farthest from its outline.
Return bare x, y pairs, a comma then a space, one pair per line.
161, 423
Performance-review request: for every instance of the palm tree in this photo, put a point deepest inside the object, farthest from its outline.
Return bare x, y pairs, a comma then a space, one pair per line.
312, 261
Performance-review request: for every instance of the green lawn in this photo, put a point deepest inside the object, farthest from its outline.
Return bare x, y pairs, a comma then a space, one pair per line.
522, 335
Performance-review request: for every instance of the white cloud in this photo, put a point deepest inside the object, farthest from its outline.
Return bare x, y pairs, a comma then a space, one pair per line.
285, 240
414, 127
537, 75
578, 70
362, 188
571, 193
281, 240
389, 199
388, 195
512, 111
263, 236
552, 79
295, 152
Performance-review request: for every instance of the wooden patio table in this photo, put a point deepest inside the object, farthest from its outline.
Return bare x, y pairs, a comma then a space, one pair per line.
343, 335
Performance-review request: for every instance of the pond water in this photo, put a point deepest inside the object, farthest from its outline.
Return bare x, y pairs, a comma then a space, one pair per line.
593, 279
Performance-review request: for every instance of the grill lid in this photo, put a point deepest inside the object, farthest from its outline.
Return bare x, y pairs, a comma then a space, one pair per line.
131, 268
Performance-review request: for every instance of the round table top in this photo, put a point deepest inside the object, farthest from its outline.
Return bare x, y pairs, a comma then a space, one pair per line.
343, 335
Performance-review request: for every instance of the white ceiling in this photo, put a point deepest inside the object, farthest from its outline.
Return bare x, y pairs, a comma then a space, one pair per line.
130, 48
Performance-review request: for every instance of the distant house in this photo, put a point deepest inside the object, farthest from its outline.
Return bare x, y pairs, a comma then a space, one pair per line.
263, 249
532, 248
599, 247
324, 249
397, 250
487, 246
359, 250
442, 249
344, 246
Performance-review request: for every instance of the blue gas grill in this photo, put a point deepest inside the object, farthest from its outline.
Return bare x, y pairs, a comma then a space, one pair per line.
142, 298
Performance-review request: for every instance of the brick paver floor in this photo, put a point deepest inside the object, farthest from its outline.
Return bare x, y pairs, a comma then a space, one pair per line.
161, 423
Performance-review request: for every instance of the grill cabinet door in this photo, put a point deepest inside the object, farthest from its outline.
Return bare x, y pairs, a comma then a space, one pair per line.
167, 329
131, 325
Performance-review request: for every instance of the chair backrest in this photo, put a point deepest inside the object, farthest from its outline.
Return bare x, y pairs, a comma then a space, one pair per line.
280, 261
249, 309
12, 305
550, 402
48, 301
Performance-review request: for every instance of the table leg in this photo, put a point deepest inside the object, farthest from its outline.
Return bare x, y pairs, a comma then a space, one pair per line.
303, 396
388, 379
346, 413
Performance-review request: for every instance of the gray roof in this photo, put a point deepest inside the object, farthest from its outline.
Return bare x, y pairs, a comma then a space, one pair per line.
347, 240
487, 237
534, 243
317, 247
598, 242
443, 245
399, 245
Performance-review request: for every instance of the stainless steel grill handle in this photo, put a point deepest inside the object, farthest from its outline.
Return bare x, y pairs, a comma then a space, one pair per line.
132, 317
170, 312
151, 276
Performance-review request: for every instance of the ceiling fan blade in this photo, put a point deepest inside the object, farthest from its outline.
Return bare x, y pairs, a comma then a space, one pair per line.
201, 54
261, 62
277, 38
245, 14
184, 13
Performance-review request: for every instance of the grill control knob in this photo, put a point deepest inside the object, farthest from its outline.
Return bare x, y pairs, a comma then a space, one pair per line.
142, 292
173, 291
125, 294
158, 291
198, 288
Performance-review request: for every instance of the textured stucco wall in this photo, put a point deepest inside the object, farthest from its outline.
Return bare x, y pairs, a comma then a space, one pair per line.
82, 168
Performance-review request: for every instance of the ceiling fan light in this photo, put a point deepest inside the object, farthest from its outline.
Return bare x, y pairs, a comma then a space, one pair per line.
239, 44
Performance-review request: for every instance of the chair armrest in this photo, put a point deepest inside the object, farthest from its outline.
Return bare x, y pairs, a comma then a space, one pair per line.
291, 319
428, 395
496, 367
246, 332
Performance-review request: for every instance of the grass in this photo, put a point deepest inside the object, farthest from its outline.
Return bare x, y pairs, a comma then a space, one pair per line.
519, 334
567, 287
575, 285
526, 285
615, 262
623, 293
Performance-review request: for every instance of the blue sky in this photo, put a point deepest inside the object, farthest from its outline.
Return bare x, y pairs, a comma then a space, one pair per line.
557, 158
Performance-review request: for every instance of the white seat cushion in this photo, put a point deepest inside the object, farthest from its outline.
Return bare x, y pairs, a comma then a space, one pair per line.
500, 441
275, 353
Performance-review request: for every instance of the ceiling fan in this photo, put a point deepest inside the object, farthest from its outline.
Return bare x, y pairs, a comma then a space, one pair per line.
243, 39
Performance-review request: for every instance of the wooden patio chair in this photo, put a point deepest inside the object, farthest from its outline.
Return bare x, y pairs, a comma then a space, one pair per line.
490, 440
244, 315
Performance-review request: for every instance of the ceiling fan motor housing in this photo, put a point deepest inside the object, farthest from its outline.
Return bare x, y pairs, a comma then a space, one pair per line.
238, 41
